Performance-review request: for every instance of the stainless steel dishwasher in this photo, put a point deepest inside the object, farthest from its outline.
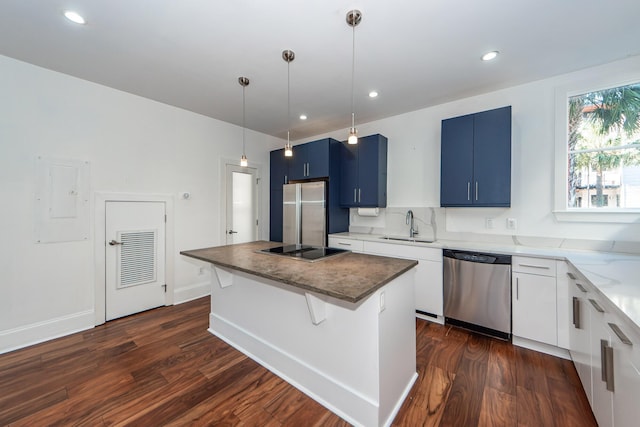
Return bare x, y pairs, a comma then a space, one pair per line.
477, 292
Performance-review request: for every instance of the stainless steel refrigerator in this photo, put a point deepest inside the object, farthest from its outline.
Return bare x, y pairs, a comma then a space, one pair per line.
304, 213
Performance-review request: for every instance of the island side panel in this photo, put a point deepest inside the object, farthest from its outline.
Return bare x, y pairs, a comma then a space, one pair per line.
336, 361
397, 337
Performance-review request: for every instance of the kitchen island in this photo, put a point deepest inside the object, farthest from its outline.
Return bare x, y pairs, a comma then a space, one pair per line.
341, 329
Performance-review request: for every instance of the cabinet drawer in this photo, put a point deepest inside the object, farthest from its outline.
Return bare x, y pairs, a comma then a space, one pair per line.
350, 244
539, 266
403, 251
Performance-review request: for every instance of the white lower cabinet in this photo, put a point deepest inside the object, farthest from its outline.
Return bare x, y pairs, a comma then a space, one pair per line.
606, 353
533, 299
428, 278
579, 331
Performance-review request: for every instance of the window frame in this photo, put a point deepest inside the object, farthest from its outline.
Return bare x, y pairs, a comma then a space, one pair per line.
562, 93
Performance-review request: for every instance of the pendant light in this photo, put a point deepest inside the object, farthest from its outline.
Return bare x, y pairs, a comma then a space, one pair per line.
244, 82
353, 19
288, 56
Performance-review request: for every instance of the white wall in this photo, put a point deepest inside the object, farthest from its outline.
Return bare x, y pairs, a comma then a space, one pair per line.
134, 145
414, 161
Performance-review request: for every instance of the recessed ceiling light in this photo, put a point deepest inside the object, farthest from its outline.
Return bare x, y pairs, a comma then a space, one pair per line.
74, 17
303, 117
373, 94
490, 55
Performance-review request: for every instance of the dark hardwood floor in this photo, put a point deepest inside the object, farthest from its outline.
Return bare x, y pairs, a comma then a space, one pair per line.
162, 367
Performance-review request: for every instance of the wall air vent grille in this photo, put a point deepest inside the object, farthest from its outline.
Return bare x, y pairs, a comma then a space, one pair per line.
137, 258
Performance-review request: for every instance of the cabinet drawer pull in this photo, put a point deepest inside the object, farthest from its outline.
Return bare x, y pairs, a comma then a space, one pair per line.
544, 267
571, 276
608, 366
579, 286
616, 329
576, 312
596, 306
344, 244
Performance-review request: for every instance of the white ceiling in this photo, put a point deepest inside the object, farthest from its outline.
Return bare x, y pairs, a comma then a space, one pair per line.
416, 53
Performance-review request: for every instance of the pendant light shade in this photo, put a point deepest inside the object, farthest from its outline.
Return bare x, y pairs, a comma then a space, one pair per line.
288, 56
244, 82
353, 19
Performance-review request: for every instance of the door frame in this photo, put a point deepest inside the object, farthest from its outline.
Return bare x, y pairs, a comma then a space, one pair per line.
224, 161
100, 218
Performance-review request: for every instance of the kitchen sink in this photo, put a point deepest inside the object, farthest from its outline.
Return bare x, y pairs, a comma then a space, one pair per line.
407, 239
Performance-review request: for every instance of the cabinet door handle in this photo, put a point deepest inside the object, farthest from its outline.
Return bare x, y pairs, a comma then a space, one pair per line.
576, 312
517, 288
544, 267
571, 276
603, 370
579, 286
308, 169
596, 306
616, 329
359, 194
468, 190
286, 179
476, 191
355, 199
608, 366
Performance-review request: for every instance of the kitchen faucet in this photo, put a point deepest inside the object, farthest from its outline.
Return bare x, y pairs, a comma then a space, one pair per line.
409, 220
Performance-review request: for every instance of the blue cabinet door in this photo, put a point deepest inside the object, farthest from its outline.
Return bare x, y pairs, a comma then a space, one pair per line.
372, 171
275, 215
349, 175
278, 169
456, 162
318, 158
298, 167
492, 157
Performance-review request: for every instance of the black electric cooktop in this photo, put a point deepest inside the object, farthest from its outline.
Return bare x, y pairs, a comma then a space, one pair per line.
304, 252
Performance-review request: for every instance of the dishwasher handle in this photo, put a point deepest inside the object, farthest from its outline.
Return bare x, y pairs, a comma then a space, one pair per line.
478, 257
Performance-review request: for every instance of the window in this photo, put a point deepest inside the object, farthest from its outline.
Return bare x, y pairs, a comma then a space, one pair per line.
603, 148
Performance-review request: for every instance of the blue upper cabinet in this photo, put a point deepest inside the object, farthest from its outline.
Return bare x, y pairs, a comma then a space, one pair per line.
310, 160
476, 160
278, 169
363, 173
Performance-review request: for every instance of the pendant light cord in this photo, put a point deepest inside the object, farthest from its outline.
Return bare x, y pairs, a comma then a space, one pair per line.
243, 120
288, 102
353, 67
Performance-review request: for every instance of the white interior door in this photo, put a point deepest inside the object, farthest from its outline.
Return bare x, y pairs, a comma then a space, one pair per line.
241, 211
135, 257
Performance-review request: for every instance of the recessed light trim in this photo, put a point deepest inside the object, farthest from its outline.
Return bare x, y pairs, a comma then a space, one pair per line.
490, 55
74, 17
303, 117
373, 94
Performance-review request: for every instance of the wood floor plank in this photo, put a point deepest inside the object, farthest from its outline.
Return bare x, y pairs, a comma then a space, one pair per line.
162, 367
498, 409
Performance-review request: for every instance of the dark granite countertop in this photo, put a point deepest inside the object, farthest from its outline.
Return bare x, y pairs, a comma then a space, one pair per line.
349, 277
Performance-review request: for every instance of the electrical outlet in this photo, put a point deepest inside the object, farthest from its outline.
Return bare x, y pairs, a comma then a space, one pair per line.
488, 223
512, 224
200, 271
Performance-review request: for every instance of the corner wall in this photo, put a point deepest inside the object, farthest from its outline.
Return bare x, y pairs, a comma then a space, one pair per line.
134, 145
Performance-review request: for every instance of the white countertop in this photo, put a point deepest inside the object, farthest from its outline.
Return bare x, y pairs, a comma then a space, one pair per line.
615, 275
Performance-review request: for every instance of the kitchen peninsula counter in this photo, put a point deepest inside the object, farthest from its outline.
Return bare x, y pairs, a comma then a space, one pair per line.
341, 329
348, 277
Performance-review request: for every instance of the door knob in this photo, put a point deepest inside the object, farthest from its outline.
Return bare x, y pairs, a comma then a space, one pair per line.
114, 243
232, 232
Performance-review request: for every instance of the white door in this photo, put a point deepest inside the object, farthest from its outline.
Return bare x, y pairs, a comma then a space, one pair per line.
135, 257
241, 208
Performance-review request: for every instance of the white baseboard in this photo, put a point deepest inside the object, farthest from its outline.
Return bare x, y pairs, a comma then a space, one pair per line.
24, 336
191, 292
541, 347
